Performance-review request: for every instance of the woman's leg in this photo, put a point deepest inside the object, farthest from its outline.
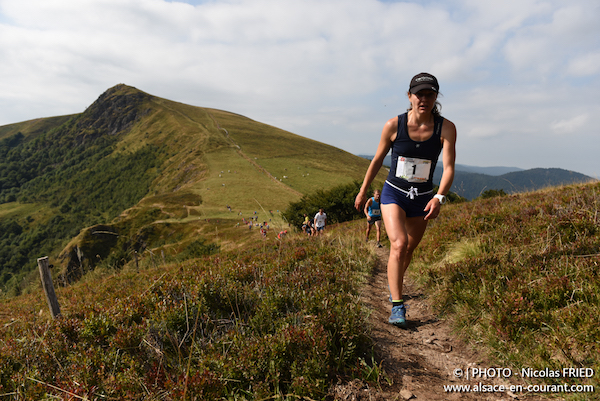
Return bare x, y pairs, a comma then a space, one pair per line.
404, 235
394, 219
415, 226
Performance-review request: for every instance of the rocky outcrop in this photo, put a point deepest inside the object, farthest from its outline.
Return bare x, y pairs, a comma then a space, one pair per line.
115, 111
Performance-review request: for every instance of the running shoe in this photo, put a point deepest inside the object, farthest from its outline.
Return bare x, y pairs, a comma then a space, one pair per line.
398, 316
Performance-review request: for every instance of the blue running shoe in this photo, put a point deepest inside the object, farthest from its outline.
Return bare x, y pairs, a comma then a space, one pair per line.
398, 316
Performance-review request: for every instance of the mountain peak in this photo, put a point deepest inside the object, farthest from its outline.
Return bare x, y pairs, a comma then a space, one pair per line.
114, 111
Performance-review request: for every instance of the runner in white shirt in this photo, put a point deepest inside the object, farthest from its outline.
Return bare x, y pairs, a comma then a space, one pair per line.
320, 221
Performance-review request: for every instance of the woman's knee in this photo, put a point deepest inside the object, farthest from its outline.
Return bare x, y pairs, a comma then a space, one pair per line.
399, 247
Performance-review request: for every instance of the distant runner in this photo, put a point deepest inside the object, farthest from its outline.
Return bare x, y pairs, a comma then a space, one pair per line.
306, 225
373, 213
320, 221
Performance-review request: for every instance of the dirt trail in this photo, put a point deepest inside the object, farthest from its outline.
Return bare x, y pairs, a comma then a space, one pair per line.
421, 359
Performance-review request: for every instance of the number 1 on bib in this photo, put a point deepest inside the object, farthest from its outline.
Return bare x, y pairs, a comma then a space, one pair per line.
413, 169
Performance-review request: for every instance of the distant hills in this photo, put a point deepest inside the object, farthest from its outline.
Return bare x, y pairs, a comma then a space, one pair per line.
471, 181
495, 171
471, 185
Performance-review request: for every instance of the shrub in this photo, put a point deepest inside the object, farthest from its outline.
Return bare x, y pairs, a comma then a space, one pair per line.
338, 204
492, 193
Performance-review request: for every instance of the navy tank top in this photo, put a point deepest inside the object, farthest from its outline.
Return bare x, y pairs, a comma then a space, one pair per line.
413, 162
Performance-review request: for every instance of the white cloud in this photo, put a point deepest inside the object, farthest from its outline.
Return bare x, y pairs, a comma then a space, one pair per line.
543, 48
587, 64
571, 125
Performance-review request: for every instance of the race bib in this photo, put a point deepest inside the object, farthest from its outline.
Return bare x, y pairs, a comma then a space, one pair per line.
375, 212
413, 169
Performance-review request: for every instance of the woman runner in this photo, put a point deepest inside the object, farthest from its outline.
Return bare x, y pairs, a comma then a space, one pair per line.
416, 138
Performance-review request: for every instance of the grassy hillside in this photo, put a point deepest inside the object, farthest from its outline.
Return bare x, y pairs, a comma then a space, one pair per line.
33, 128
282, 317
519, 275
158, 175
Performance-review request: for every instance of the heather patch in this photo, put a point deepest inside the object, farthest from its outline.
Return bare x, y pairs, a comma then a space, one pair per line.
530, 290
282, 322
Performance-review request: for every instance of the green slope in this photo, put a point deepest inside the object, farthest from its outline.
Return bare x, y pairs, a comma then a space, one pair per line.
33, 128
161, 175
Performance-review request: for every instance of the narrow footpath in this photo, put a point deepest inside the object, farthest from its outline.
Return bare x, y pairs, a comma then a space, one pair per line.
423, 358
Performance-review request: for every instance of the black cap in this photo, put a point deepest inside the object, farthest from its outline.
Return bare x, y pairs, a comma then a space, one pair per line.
423, 81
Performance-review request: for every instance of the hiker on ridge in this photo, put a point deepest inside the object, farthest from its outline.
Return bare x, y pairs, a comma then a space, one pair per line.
416, 138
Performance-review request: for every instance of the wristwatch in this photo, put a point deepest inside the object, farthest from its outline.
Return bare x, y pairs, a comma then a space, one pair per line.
441, 198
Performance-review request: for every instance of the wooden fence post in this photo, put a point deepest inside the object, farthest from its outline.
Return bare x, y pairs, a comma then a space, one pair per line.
48, 287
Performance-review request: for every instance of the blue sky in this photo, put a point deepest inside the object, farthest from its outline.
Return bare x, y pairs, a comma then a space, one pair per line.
520, 79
